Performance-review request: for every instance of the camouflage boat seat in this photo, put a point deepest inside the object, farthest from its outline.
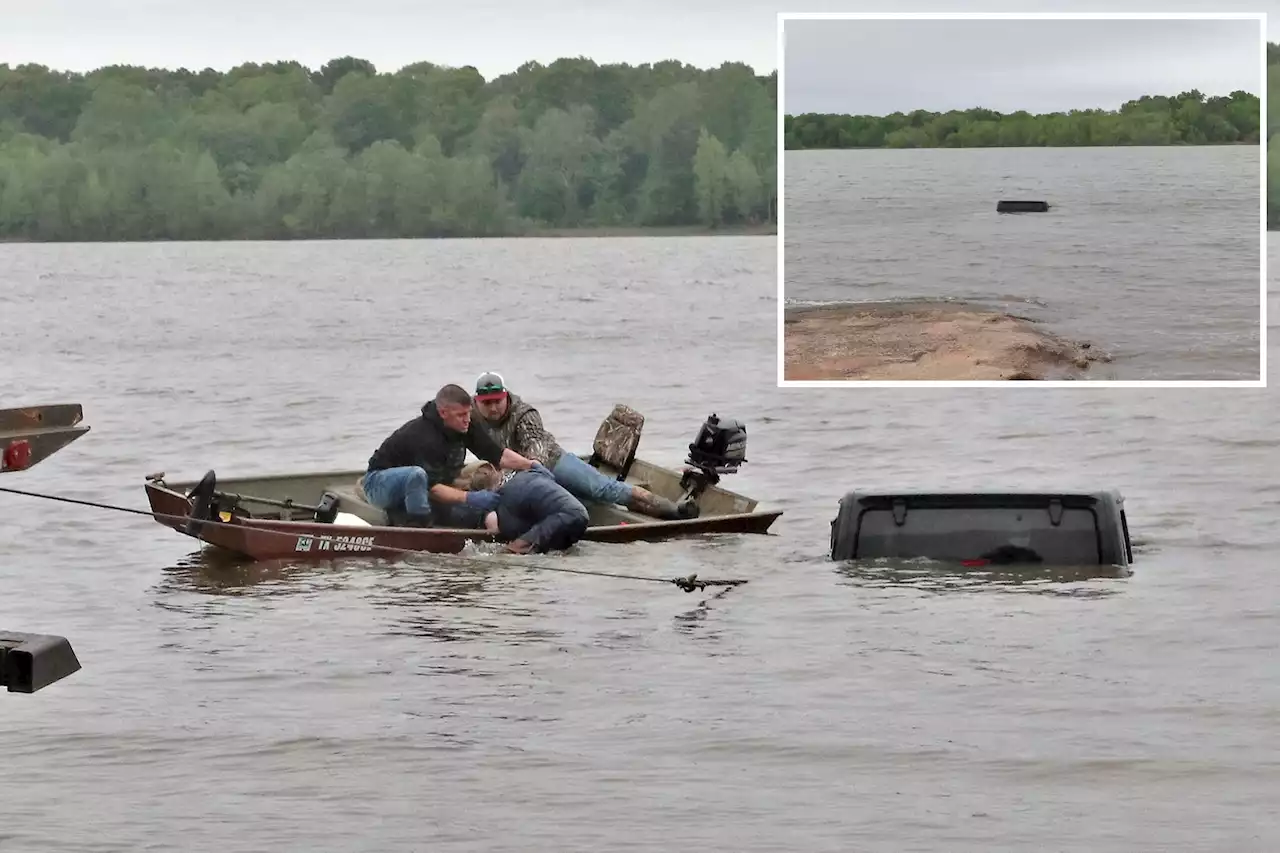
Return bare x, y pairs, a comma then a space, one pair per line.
616, 442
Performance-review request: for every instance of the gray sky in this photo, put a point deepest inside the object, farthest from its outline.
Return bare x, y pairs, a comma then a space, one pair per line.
1039, 66
496, 36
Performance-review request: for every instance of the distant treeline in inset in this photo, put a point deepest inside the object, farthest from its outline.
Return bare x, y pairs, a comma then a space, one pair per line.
1187, 119
281, 151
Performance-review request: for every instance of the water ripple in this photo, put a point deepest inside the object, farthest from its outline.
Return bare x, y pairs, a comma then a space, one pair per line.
400, 704
1162, 281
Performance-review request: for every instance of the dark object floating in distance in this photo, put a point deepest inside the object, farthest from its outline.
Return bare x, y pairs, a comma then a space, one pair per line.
1022, 206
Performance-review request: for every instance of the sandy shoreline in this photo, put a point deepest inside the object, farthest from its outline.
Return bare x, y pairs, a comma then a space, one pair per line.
926, 341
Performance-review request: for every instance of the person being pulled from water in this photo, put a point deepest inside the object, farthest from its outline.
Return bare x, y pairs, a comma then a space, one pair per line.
518, 426
535, 514
411, 475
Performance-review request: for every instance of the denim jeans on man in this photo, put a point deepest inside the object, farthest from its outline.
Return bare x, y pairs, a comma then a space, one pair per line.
538, 510
405, 489
587, 483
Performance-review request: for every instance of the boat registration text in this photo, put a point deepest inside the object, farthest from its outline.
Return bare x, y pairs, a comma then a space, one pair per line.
335, 543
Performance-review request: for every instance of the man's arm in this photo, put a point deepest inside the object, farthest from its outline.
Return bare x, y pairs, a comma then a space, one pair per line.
531, 437
447, 494
482, 443
514, 461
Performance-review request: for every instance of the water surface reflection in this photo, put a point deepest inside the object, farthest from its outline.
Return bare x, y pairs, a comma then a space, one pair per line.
940, 577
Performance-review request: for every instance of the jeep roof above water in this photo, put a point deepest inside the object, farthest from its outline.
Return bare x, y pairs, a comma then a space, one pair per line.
984, 528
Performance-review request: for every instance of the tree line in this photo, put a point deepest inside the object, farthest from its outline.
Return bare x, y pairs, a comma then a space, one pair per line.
1185, 119
278, 150
1273, 136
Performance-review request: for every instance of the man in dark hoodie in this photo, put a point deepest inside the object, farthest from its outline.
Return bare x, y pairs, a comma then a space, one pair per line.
535, 514
518, 426
411, 475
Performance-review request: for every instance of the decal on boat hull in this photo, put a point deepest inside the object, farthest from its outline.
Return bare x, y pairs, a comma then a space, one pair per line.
335, 543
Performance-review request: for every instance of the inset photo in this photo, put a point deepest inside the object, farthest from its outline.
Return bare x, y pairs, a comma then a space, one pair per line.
1062, 198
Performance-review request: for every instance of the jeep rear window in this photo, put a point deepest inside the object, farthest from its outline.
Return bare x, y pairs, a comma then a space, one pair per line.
969, 533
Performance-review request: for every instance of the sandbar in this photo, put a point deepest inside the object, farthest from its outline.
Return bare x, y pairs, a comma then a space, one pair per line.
926, 341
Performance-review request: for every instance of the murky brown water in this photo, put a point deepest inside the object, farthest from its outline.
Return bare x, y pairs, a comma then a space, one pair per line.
430, 705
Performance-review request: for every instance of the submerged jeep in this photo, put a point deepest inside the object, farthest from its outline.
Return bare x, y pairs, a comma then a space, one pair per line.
984, 528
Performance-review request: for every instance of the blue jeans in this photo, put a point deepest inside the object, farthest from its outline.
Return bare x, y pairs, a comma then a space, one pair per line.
405, 489
540, 511
587, 484
399, 489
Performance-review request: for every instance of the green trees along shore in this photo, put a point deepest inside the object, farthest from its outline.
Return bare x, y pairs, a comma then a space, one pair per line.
1273, 136
281, 151
1186, 119
1189, 118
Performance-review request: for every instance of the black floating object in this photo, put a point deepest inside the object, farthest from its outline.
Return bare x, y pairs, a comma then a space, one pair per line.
1022, 206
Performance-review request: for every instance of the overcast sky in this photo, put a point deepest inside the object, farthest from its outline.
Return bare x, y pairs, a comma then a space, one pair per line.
496, 37
877, 67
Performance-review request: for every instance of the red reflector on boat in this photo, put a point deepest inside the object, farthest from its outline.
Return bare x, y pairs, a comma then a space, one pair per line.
972, 563
17, 455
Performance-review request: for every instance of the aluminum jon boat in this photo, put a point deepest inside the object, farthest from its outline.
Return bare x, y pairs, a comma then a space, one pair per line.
322, 516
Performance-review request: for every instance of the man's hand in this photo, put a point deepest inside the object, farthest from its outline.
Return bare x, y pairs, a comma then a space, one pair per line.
519, 546
484, 500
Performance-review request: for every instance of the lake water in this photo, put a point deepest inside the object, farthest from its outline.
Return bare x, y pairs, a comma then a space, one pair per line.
431, 704
1151, 253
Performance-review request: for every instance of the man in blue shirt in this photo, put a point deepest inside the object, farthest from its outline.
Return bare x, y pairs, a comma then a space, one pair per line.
534, 512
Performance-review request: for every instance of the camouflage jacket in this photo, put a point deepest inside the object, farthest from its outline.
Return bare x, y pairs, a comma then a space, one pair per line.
522, 431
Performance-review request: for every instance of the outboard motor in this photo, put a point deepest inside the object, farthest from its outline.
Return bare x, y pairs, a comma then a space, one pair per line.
720, 448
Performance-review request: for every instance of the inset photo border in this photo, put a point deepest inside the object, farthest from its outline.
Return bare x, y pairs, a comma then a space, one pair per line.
883, 292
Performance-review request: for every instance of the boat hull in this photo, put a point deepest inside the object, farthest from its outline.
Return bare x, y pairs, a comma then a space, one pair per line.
294, 533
